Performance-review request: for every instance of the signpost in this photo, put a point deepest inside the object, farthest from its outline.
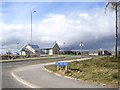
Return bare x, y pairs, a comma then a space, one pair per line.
62, 64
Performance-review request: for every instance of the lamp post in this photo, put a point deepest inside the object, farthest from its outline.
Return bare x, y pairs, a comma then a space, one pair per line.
17, 47
2, 48
31, 27
81, 45
64, 47
2, 51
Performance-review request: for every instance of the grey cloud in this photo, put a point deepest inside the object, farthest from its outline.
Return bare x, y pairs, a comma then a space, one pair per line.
96, 31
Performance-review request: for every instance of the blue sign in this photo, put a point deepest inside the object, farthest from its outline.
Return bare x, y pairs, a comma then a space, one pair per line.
61, 63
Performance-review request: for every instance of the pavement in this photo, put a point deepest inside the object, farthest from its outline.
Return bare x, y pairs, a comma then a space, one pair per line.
35, 76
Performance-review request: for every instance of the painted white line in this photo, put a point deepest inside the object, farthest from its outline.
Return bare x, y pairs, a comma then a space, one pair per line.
24, 82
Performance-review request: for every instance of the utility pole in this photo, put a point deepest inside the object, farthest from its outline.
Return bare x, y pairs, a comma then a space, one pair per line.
64, 47
2, 51
116, 40
31, 29
17, 47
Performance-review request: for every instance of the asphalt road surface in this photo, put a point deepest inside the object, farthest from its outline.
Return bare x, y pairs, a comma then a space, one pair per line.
39, 78
9, 82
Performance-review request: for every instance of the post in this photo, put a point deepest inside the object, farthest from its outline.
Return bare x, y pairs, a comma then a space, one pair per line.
64, 47
81, 44
116, 40
31, 34
66, 69
2, 51
31, 29
57, 68
17, 47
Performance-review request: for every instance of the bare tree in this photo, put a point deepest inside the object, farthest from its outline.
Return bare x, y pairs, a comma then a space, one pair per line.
114, 6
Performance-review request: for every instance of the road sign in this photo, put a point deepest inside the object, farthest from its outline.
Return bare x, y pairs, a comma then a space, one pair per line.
61, 63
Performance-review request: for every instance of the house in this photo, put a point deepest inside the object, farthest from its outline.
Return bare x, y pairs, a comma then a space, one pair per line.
94, 53
29, 49
101, 52
53, 50
104, 52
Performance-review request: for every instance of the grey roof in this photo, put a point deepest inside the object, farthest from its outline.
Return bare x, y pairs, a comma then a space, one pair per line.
36, 47
25, 49
51, 46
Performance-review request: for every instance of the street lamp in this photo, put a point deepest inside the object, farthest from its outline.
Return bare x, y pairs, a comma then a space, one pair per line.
2, 52
64, 47
31, 24
81, 45
31, 27
2, 49
17, 47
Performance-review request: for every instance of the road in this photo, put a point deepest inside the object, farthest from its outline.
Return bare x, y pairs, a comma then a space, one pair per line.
39, 78
8, 81
43, 78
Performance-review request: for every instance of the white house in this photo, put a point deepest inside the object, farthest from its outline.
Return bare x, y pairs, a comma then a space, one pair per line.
94, 53
53, 50
29, 49
101, 52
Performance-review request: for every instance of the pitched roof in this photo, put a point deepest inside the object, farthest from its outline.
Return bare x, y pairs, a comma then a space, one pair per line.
36, 47
51, 46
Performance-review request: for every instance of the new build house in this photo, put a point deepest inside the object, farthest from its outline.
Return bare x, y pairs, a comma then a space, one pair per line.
29, 49
102, 52
53, 50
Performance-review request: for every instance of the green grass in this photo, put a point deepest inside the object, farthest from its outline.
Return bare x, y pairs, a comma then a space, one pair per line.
100, 70
51, 58
33, 58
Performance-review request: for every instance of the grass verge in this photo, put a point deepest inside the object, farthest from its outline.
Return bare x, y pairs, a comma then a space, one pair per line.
34, 58
100, 70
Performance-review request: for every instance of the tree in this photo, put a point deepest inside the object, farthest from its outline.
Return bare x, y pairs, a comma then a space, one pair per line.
114, 6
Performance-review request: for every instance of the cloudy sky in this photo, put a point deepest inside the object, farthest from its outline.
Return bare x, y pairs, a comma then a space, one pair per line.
69, 22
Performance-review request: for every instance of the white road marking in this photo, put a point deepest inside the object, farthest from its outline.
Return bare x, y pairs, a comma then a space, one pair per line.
24, 82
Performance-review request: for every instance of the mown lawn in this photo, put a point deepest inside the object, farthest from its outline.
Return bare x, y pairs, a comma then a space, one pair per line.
100, 70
